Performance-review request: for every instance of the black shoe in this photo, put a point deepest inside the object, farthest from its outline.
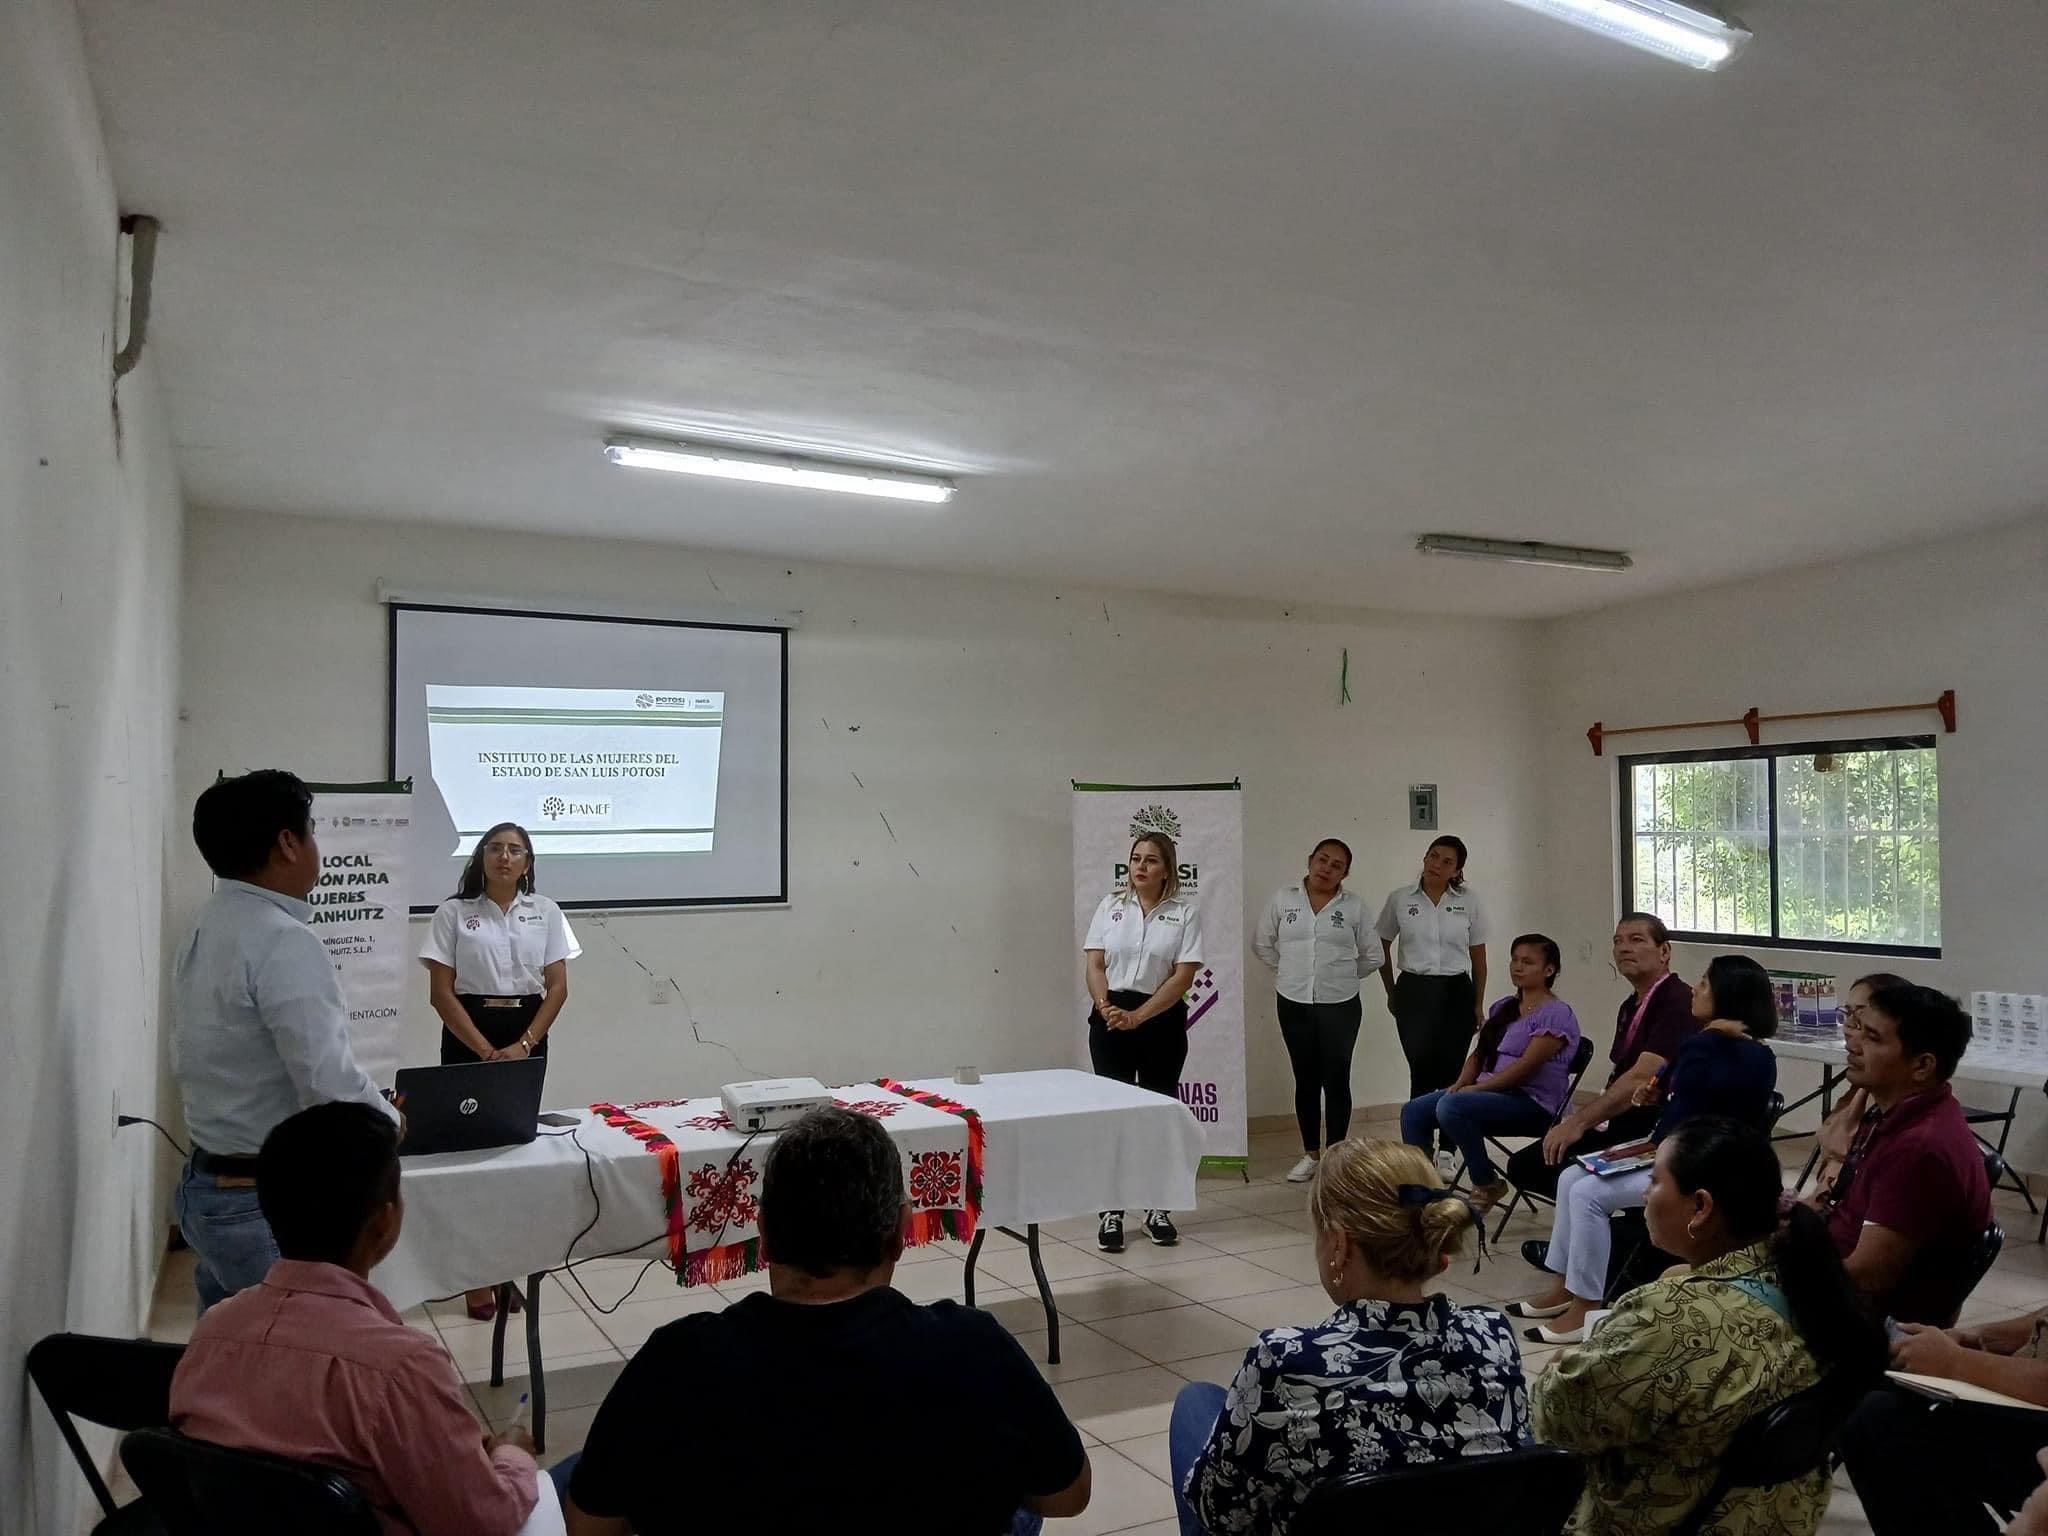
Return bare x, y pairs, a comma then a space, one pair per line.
1536, 1250
1109, 1237
1160, 1228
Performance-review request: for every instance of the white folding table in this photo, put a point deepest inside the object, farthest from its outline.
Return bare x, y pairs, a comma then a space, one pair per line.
1057, 1144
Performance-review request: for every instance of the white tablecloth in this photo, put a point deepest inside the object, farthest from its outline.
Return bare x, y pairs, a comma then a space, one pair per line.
2010, 1071
1059, 1143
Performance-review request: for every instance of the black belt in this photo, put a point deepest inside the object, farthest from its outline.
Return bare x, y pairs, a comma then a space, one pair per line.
223, 1167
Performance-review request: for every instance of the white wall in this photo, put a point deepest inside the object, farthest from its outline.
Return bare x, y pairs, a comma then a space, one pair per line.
1969, 614
975, 703
88, 572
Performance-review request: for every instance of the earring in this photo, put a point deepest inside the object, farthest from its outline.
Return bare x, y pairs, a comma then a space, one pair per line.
1692, 1230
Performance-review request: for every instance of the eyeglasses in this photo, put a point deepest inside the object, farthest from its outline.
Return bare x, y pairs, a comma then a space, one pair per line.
505, 850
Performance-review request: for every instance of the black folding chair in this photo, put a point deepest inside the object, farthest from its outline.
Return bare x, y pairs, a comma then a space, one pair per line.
2007, 1176
1787, 1440
209, 1490
1581, 1060
1976, 1264
1524, 1492
116, 1383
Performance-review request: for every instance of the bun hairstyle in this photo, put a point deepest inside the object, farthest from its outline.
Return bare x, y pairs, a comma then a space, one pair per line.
1457, 846
1357, 1191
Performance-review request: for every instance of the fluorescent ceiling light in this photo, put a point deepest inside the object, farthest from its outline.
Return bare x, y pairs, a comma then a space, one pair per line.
1524, 552
728, 463
1664, 27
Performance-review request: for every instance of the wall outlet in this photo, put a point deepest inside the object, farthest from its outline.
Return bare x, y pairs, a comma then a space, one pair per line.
658, 989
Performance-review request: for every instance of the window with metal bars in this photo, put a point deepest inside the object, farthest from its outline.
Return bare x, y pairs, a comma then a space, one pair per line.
1823, 845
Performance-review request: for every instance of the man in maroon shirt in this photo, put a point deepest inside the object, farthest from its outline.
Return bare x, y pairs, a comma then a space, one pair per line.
1912, 1199
1654, 1020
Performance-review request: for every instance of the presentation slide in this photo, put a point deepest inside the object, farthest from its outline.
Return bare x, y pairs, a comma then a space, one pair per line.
646, 758
590, 770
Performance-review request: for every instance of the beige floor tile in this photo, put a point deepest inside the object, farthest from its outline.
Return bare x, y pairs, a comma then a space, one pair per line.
1124, 1405
1149, 1452
572, 1383
1011, 1263
1301, 1307
945, 1282
1216, 1279
1247, 1234
635, 1321
746, 1285
1270, 1199
1083, 1353
606, 1284
1124, 1495
1296, 1265
1183, 1333
563, 1336
1294, 1221
1018, 1311
1140, 1253
1117, 1294
566, 1432
1221, 1369
554, 1298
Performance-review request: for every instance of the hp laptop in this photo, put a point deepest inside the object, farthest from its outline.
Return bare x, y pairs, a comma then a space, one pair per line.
470, 1106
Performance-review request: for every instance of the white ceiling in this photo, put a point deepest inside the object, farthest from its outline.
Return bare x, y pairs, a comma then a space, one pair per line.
1218, 296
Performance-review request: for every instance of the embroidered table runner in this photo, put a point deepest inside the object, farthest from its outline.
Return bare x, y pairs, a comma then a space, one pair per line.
711, 1171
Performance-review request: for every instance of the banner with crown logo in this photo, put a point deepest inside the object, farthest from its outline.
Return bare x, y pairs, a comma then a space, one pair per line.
1206, 824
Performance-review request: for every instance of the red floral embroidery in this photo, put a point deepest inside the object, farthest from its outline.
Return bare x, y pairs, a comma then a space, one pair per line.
723, 1198
881, 1109
935, 1180
657, 1104
712, 1122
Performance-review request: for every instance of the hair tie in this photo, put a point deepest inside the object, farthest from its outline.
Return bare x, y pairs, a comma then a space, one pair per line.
1416, 1196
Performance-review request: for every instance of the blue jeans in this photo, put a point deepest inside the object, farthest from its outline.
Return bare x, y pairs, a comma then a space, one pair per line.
1195, 1410
1466, 1119
1025, 1523
228, 1233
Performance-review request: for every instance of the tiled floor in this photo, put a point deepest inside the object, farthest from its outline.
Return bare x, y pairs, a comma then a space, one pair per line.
1134, 1326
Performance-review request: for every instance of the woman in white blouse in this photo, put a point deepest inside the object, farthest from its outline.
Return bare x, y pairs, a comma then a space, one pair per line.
1439, 932
1317, 935
1143, 948
497, 956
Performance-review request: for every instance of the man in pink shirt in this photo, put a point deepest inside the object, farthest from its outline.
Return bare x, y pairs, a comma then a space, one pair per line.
315, 1365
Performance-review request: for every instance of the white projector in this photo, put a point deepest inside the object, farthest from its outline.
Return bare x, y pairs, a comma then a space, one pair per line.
773, 1104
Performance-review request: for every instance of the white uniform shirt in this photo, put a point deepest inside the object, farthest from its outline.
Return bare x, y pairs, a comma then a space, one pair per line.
259, 1030
1436, 937
1140, 952
499, 951
1320, 955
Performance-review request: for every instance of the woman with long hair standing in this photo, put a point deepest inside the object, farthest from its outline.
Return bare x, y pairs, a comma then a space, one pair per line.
1143, 948
1437, 932
1318, 936
497, 955
1764, 1310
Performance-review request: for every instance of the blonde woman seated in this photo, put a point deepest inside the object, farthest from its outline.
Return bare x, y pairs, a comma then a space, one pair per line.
1393, 1378
1763, 1309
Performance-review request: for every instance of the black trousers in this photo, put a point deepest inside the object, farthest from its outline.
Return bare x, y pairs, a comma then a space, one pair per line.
496, 1023
1150, 1055
1527, 1170
1433, 1015
1924, 1468
1319, 1039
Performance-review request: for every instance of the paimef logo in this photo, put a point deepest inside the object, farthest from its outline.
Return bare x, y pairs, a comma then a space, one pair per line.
643, 701
554, 807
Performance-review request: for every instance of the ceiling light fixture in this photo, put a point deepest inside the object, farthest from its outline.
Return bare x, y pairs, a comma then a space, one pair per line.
724, 462
1568, 557
1685, 33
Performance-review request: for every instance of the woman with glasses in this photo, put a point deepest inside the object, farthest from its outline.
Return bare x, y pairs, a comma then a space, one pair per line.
497, 956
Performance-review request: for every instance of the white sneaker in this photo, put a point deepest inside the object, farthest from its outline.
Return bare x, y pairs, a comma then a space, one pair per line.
1302, 1171
1447, 1166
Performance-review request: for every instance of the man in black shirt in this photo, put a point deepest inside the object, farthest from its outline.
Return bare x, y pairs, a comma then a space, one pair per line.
831, 1403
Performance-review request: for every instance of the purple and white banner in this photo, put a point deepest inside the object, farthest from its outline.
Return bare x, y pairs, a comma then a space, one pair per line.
1206, 823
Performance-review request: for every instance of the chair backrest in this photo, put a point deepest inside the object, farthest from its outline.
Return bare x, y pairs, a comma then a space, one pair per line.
1774, 1107
197, 1489
1582, 1058
1524, 1492
1787, 1440
118, 1383
1975, 1266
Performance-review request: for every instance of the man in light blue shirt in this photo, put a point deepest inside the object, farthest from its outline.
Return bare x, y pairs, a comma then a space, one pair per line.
259, 1030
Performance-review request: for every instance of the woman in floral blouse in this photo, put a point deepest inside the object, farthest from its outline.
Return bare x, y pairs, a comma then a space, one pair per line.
1764, 1310
1392, 1378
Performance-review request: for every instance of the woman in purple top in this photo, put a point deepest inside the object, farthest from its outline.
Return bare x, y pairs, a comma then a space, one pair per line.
1514, 1082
